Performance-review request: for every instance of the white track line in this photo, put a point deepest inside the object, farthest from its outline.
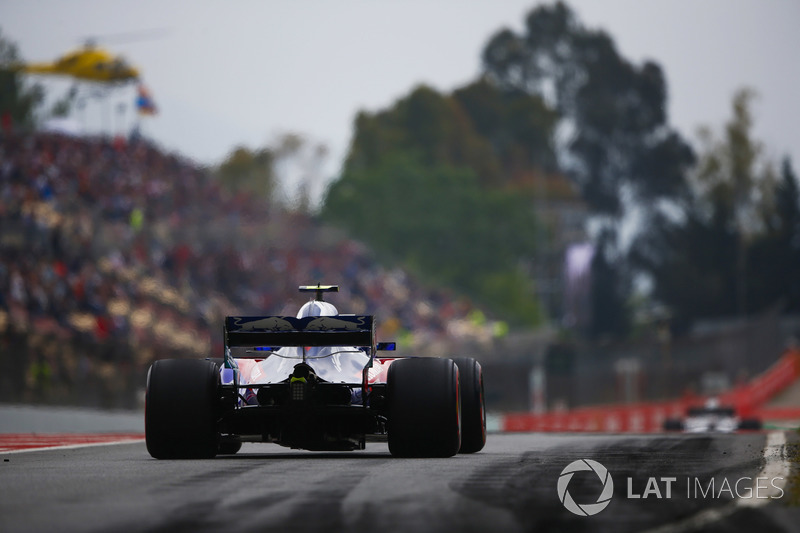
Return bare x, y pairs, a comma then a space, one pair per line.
776, 470
72, 446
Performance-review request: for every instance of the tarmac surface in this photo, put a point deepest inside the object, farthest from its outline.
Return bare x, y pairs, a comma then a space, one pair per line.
512, 485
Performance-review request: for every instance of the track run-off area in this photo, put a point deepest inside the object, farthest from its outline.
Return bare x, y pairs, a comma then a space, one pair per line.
24, 442
660, 482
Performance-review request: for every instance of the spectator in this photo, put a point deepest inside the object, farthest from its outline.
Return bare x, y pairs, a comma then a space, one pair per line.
116, 245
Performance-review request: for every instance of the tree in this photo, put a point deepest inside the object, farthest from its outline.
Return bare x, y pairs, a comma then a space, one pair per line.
298, 164
613, 112
730, 173
445, 181
774, 258
731, 246
609, 293
501, 135
518, 126
441, 224
691, 262
787, 227
737, 184
17, 101
787, 207
432, 126
615, 142
247, 171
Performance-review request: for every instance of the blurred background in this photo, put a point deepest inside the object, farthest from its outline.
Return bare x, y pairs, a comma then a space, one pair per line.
598, 201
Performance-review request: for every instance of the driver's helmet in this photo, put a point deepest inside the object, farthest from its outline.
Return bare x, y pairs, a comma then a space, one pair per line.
311, 309
317, 308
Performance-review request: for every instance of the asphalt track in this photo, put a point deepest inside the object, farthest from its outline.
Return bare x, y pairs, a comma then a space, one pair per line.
510, 486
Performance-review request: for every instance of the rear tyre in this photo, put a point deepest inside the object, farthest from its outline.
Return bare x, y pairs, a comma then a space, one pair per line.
180, 409
229, 447
473, 408
423, 408
750, 424
673, 424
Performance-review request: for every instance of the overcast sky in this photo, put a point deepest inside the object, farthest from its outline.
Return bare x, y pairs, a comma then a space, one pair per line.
225, 73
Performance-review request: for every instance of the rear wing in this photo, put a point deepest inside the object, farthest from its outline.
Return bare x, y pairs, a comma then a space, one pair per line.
340, 330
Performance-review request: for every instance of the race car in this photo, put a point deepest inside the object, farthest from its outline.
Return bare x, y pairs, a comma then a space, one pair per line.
711, 417
313, 381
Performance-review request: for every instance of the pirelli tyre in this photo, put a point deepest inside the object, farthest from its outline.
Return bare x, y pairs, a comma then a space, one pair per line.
750, 424
424, 418
229, 447
473, 408
181, 405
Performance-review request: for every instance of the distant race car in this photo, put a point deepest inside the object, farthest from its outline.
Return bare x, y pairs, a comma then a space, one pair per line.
711, 417
314, 382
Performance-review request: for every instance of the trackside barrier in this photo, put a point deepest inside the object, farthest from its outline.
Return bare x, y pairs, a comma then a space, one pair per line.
748, 399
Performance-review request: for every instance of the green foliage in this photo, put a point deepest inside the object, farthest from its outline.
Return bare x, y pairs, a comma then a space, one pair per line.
774, 258
735, 246
609, 294
16, 100
519, 127
510, 293
428, 124
730, 173
501, 135
440, 223
436, 183
249, 172
299, 163
614, 109
785, 223
616, 144
692, 264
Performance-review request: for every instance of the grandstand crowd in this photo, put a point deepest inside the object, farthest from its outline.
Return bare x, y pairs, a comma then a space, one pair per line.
114, 253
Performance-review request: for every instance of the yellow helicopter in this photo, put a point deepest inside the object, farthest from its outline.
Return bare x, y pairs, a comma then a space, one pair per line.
89, 63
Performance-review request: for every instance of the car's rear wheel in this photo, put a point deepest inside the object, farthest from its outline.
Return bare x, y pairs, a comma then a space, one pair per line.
473, 409
423, 408
180, 409
750, 424
229, 447
673, 424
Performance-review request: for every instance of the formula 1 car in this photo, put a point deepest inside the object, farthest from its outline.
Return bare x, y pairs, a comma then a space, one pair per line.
313, 382
711, 417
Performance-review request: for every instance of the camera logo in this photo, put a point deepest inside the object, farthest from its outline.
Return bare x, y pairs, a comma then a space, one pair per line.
588, 509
